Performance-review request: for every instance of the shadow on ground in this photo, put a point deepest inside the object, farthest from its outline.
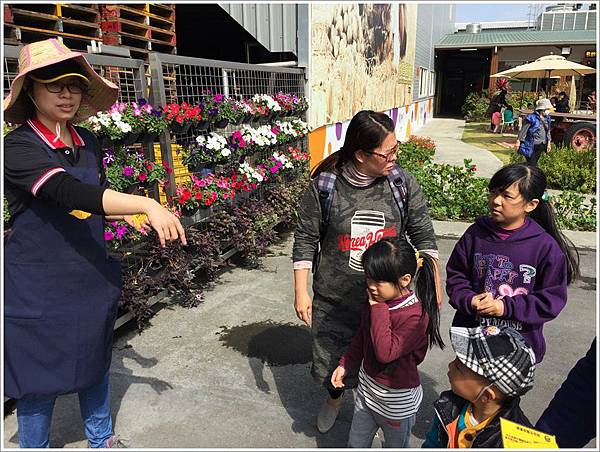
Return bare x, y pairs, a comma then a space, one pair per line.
282, 347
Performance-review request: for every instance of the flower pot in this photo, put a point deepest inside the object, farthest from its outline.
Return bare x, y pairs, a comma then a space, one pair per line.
256, 119
130, 138
189, 212
195, 167
238, 121
178, 128
201, 126
148, 137
137, 189
221, 124
208, 168
106, 142
264, 120
247, 118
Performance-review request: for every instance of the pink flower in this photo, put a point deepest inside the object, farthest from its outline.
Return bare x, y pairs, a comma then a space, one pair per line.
121, 231
108, 236
222, 183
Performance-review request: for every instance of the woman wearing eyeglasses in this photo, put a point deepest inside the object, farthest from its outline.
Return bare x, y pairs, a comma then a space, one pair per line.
363, 210
61, 288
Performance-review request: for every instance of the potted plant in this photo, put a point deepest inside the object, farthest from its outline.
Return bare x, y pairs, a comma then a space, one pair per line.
128, 171
187, 200
110, 127
152, 120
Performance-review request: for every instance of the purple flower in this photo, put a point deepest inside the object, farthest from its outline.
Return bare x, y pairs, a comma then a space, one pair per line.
128, 171
108, 236
142, 102
121, 231
218, 97
213, 111
108, 159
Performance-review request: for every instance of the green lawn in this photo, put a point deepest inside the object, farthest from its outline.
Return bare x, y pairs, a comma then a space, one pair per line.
478, 134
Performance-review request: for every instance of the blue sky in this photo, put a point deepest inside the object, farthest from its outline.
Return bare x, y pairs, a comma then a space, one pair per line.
492, 12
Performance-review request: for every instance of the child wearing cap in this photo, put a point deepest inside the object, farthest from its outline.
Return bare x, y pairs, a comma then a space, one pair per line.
493, 367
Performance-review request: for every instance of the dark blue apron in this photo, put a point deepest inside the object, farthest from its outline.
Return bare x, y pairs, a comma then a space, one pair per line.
60, 295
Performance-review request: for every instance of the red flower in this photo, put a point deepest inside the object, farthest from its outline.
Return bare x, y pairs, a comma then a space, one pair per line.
179, 119
207, 202
169, 170
186, 194
149, 166
142, 177
198, 195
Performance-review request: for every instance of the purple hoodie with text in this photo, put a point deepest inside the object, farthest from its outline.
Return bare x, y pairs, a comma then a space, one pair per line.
528, 270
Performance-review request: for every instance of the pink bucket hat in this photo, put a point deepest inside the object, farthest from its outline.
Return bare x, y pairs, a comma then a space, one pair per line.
100, 93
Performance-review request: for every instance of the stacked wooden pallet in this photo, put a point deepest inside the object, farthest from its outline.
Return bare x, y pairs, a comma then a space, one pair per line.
141, 28
76, 25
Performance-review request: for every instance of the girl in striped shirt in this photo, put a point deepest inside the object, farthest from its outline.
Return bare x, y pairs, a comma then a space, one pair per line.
397, 327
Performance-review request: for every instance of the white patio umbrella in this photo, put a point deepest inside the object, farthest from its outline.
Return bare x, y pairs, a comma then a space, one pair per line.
546, 67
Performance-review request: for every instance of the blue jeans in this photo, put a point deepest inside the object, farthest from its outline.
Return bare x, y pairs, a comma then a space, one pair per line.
34, 416
366, 422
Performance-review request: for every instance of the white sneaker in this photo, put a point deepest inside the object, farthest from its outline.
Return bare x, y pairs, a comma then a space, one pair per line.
327, 416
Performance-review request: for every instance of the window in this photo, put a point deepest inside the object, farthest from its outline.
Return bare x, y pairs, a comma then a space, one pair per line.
423, 81
426, 82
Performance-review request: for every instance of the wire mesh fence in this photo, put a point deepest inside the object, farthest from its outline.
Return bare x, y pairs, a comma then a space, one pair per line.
180, 79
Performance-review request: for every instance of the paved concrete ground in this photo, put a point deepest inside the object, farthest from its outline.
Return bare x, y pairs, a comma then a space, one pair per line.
196, 377
447, 134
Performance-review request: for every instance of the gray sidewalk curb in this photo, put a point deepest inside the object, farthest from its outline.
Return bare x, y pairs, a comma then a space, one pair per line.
455, 230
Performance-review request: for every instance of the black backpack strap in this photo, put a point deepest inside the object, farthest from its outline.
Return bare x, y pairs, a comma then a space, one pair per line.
397, 182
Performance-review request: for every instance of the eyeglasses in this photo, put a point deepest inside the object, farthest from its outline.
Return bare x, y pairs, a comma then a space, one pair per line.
73, 87
389, 156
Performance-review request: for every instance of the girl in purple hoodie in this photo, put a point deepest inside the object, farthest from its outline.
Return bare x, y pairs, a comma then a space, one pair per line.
397, 327
512, 268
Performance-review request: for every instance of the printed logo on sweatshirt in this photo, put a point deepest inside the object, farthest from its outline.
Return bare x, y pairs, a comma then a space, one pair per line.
495, 321
366, 228
500, 276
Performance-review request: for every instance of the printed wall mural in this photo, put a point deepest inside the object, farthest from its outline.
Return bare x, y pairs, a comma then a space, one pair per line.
362, 58
327, 139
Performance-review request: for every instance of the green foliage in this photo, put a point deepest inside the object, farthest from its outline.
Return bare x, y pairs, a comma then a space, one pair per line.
452, 192
415, 152
475, 106
572, 211
567, 169
516, 101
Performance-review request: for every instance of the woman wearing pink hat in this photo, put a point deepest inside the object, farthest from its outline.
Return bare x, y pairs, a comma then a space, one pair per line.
61, 288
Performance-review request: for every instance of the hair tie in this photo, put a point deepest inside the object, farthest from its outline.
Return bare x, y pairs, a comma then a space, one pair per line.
545, 196
419, 260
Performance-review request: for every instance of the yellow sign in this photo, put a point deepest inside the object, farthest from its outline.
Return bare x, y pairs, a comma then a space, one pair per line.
590, 54
517, 436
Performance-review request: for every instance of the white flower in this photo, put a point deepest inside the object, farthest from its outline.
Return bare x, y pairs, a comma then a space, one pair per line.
115, 116
226, 152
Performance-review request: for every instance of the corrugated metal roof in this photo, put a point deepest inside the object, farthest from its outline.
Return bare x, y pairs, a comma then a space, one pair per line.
273, 25
516, 38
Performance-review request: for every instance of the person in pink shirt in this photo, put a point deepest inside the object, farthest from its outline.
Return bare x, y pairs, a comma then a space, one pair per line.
497, 120
397, 328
